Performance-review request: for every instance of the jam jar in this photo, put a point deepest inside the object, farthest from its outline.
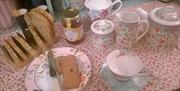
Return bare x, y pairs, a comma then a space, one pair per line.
72, 25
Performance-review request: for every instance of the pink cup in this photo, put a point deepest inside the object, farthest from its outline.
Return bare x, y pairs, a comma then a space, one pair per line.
99, 9
124, 66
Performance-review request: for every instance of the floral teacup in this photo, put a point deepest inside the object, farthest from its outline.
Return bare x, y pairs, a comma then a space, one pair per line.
99, 9
125, 66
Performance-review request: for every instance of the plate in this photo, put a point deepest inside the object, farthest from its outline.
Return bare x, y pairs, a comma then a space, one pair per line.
38, 77
135, 84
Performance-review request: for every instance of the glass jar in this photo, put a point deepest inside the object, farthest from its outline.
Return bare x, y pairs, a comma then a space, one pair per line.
72, 25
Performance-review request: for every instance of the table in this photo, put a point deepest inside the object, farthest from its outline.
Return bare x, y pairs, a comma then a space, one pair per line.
165, 66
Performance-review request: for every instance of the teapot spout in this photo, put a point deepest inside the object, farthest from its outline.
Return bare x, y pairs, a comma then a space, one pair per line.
142, 13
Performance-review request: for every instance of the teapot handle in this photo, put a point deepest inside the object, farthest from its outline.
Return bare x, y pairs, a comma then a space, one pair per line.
145, 24
117, 9
142, 13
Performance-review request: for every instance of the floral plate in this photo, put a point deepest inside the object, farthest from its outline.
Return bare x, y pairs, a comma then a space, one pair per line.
37, 75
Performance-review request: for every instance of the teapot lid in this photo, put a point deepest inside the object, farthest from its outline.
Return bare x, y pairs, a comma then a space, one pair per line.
102, 27
166, 15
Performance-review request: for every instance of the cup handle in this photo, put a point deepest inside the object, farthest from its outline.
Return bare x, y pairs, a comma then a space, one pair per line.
113, 4
144, 24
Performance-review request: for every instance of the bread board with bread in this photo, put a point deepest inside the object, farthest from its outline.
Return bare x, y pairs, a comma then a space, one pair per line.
35, 39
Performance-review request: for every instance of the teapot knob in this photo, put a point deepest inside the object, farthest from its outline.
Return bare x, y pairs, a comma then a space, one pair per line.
142, 13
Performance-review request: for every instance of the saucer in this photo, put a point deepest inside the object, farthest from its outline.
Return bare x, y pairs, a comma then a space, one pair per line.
135, 84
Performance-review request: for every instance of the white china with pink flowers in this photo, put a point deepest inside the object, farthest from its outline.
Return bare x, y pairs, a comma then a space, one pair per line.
102, 33
164, 31
130, 28
99, 9
125, 66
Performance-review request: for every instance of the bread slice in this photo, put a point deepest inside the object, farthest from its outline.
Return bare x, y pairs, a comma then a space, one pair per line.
41, 24
70, 71
19, 52
15, 60
44, 13
49, 17
23, 45
71, 77
38, 40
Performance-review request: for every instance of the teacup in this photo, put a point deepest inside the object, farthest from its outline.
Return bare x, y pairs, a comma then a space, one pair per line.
102, 33
99, 9
124, 66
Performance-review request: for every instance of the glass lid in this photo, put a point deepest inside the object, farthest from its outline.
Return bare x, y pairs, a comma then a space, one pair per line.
102, 26
166, 16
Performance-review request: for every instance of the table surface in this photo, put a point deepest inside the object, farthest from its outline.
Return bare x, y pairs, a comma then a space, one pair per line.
164, 66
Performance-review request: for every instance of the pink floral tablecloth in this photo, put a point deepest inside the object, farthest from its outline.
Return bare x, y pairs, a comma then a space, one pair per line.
164, 66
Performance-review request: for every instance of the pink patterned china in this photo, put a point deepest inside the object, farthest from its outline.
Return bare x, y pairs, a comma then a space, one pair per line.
164, 30
38, 77
123, 65
99, 9
103, 33
130, 28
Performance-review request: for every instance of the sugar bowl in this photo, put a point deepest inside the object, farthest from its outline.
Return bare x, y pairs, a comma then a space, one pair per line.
102, 33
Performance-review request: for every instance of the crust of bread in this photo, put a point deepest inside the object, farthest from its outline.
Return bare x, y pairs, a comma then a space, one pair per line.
41, 24
15, 60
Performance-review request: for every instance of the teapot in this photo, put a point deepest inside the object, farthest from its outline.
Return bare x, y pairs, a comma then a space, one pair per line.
164, 31
130, 29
